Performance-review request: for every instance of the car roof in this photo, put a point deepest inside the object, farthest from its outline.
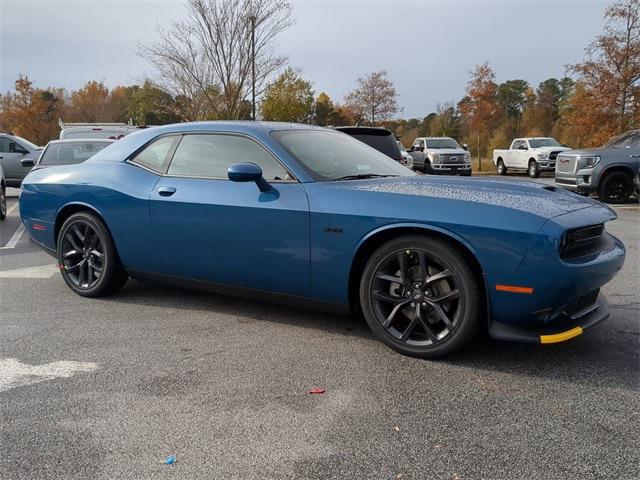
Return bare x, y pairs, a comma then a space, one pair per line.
82, 140
364, 130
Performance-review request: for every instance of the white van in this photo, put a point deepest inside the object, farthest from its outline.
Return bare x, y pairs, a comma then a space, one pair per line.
111, 131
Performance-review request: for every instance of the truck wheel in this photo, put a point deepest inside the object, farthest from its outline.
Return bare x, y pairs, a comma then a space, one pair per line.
502, 170
427, 167
615, 188
534, 170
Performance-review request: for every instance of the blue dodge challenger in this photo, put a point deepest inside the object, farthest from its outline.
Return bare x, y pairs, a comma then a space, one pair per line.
313, 216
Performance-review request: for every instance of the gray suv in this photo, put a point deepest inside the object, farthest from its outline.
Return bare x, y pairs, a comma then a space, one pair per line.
607, 171
13, 150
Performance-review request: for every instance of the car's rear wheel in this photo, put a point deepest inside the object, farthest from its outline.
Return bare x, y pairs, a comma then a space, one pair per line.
421, 297
3, 202
502, 170
615, 188
533, 170
87, 256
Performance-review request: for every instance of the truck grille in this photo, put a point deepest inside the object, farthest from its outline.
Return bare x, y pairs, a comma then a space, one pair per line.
553, 155
452, 158
566, 163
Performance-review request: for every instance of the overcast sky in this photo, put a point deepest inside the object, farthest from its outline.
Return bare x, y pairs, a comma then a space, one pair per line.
427, 47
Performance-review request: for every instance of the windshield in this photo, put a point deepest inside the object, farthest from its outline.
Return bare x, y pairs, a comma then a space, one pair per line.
383, 143
69, 153
30, 145
329, 155
543, 142
629, 139
442, 143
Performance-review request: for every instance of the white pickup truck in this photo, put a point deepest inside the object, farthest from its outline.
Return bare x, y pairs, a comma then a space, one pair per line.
533, 155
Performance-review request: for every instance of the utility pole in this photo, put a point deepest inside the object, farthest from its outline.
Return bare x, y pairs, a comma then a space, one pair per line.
253, 66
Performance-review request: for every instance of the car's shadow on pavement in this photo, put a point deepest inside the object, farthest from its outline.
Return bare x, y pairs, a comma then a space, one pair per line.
607, 355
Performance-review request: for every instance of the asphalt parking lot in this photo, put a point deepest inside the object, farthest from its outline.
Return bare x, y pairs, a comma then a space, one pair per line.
110, 388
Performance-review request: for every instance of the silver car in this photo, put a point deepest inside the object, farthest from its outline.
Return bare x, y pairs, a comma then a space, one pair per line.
13, 150
3, 196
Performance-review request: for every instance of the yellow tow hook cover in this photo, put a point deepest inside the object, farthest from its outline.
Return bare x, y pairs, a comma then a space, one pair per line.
561, 337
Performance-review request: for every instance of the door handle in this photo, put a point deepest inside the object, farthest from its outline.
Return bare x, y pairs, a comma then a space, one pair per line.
166, 191
633, 155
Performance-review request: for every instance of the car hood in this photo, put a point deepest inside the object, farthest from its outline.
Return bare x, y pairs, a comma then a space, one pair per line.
552, 149
545, 201
448, 151
585, 152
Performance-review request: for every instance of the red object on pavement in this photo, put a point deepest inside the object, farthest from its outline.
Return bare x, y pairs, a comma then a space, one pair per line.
317, 391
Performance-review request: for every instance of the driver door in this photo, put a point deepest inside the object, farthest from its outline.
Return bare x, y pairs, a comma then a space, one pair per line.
10, 155
212, 229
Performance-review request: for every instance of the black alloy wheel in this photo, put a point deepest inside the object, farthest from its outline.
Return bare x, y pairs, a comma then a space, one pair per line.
616, 188
87, 258
3, 202
420, 296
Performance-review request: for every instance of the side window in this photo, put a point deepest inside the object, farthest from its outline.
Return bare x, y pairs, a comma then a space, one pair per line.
154, 156
4, 145
518, 144
211, 155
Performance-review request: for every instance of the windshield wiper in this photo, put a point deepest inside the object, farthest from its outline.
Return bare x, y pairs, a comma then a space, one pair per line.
361, 176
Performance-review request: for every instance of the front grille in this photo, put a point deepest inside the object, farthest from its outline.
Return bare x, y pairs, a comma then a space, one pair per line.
585, 304
452, 158
566, 163
584, 241
553, 155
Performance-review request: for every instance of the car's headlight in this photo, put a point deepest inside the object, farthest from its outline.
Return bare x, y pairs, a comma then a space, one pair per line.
436, 157
588, 162
543, 156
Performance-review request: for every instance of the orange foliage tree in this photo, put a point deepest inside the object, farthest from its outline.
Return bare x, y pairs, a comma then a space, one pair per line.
31, 112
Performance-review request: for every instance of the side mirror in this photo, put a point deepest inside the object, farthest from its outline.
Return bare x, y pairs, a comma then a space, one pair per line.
248, 172
27, 162
465, 146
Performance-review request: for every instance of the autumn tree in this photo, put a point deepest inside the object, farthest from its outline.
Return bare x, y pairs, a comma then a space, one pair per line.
207, 58
94, 103
288, 99
324, 110
610, 73
375, 99
480, 109
31, 112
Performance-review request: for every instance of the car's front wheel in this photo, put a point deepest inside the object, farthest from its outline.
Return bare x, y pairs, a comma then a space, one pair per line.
87, 256
534, 170
3, 202
421, 297
615, 188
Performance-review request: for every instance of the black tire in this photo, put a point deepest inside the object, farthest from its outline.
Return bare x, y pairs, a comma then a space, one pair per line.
450, 287
87, 257
502, 170
3, 202
427, 166
615, 188
533, 170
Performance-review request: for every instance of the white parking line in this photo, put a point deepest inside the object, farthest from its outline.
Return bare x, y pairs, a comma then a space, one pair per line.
15, 238
11, 209
42, 271
17, 374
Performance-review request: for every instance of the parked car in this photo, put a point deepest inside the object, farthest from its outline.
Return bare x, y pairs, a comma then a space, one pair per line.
111, 131
531, 155
314, 216
381, 139
13, 150
406, 158
3, 196
607, 171
68, 152
440, 155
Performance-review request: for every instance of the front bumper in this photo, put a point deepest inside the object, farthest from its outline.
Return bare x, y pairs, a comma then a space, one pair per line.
563, 328
581, 181
451, 169
547, 166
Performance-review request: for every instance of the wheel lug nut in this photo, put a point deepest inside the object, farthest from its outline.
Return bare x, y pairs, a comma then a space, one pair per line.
424, 304
413, 304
